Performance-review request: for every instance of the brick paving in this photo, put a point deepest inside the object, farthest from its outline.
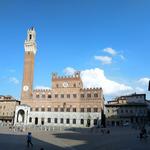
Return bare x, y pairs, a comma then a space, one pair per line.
78, 139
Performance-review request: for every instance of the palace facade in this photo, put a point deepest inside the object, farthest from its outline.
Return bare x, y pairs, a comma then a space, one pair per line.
66, 103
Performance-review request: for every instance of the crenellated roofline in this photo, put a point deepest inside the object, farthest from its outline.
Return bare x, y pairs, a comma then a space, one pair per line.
91, 89
42, 90
75, 76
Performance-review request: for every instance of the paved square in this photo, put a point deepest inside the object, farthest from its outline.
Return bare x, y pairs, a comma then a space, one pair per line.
79, 139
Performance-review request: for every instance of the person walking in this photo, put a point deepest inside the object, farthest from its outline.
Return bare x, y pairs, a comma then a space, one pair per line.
29, 139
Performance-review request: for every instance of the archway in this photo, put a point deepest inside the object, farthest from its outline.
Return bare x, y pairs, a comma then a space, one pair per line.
20, 116
88, 122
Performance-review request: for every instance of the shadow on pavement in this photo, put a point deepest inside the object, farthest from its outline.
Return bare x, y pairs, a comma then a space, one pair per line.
18, 142
119, 139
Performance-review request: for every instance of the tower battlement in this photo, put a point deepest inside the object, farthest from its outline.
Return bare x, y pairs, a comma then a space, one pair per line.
75, 76
31, 29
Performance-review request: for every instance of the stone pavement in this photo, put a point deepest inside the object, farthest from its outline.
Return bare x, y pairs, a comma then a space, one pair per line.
81, 139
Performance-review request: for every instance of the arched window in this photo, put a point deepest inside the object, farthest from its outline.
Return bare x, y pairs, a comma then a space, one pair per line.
30, 119
30, 36
36, 121
68, 121
49, 120
74, 121
42, 121
82, 121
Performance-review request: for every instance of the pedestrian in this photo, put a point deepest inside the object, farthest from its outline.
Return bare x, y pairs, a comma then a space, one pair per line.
29, 139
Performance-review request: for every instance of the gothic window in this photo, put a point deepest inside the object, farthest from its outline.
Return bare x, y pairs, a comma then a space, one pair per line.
49, 120
74, 109
55, 120
62, 109
48, 109
56, 95
30, 119
36, 121
89, 95
95, 109
56, 109
37, 95
62, 95
42, 109
30, 36
74, 85
88, 109
68, 95
61, 120
68, 110
82, 95
74, 121
82, 121
95, 95
49, 96
74, 95
42, 121
36, 109
67, 120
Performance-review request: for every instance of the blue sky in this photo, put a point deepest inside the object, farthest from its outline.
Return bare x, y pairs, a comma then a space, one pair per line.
78, 34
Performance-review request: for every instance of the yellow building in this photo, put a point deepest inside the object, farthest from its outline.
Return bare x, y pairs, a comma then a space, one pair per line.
66, 103
7, 108
127, 110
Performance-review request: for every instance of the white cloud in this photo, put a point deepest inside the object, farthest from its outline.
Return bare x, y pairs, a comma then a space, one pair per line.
42, 87
139, 90
110, 51
69, 71
104, 59
144, 81
13, 80
96, 78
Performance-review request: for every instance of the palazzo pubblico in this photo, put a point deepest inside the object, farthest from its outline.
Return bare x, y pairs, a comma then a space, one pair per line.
66, 103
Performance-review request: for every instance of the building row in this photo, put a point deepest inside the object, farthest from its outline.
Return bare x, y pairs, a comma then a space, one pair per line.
124, 110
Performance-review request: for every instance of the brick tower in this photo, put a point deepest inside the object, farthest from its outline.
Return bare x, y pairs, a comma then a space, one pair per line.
30, 51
